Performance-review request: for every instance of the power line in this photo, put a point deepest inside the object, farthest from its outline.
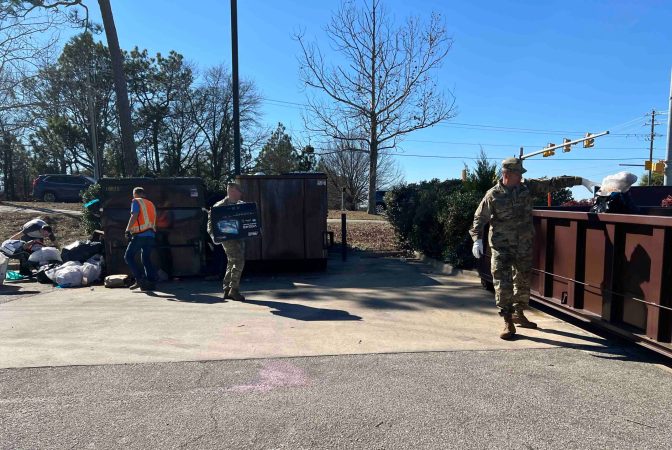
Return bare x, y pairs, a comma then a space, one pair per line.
473, 158
507, 145
463, 125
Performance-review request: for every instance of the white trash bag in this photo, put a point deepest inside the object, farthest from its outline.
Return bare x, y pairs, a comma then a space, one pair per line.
45, 255
69, 274
91, 272
618, 182
4, 261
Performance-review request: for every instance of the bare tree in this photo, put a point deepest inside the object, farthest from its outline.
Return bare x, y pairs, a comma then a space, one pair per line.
385, 87
347, 170
212, 112
27, 40
24, 8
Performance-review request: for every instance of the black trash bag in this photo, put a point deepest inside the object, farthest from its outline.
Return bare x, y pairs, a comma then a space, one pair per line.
614, 203
81, 251
41, 275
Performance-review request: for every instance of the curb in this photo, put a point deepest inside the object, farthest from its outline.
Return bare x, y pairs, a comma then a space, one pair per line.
447, 269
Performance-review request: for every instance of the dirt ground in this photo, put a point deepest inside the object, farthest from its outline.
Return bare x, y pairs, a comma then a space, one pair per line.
46, 205
354, 215
375, 236
66, 228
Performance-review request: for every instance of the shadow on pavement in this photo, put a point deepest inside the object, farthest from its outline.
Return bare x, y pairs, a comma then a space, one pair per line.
618, 353
594, 339
302, 312
191, 293
358, 272
8, 289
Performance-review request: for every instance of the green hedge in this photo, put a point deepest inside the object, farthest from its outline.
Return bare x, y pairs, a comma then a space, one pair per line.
434, 217
89, 221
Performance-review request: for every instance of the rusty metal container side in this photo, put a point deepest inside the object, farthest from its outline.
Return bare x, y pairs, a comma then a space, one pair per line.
649, 195
293, 211
180, 222
608, 266
315, 210
612, 269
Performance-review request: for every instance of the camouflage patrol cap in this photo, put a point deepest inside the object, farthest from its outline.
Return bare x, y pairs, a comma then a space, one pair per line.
513, 165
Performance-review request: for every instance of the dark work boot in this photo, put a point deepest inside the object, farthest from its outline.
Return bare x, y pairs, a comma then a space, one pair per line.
509, 328
520, 319
236, 295
146, 285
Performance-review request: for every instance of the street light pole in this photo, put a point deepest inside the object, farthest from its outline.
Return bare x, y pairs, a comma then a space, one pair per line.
236, 94
668, 155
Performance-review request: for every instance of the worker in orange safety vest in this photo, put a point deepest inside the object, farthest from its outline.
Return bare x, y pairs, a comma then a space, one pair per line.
141, 232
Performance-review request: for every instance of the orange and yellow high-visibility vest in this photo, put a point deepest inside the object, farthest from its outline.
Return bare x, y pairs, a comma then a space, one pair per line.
146, 218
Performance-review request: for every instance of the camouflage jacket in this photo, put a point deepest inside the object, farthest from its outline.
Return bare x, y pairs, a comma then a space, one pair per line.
509, 211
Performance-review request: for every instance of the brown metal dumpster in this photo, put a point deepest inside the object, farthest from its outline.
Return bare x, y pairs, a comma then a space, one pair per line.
180, 237
611, 269
293, 213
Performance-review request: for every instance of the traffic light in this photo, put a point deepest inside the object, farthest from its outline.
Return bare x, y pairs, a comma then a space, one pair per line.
648, 165
589, 143
659, 167
566, 148
548, 153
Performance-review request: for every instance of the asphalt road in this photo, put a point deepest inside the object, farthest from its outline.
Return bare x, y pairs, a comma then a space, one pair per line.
556, 398
373, 353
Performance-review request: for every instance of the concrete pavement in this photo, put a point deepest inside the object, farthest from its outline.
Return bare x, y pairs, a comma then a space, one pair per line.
361, 306
375, 353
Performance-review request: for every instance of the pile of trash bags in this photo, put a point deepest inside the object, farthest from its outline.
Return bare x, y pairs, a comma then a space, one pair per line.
614, 196
80, 263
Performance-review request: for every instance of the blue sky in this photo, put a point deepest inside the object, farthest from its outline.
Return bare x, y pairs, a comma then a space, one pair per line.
523, 72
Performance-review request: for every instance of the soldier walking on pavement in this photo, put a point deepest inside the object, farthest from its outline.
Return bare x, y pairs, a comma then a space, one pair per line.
234, 249
507, 207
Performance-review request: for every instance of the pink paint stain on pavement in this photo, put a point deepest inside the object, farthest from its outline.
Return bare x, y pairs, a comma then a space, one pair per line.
273, 375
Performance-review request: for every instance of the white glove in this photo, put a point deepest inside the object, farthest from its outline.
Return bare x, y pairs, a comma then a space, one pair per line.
477, 249
590, 185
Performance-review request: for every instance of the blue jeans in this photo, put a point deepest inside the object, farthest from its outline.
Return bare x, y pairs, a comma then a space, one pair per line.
145, 245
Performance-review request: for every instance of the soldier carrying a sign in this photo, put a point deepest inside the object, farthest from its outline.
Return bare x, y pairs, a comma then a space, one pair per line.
234, 249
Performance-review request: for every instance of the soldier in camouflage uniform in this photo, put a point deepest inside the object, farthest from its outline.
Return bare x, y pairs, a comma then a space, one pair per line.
508, 209
234, 249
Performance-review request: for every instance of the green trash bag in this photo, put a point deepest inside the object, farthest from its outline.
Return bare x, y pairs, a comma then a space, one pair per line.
13, 275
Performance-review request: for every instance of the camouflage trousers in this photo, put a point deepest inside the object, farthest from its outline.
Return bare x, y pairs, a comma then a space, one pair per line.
235, 257
511, 271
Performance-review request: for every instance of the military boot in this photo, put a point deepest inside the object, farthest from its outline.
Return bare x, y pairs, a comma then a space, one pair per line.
509, 328
236, 295
522, 321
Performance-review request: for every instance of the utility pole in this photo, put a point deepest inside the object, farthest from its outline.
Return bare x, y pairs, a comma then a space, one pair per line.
653, 134
236, 94
97, 163
668, 154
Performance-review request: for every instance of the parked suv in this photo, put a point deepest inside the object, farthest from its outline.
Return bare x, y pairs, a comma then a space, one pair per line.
60, 187
381, 206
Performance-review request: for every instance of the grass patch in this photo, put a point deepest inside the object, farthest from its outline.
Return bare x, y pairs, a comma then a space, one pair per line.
354, 215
